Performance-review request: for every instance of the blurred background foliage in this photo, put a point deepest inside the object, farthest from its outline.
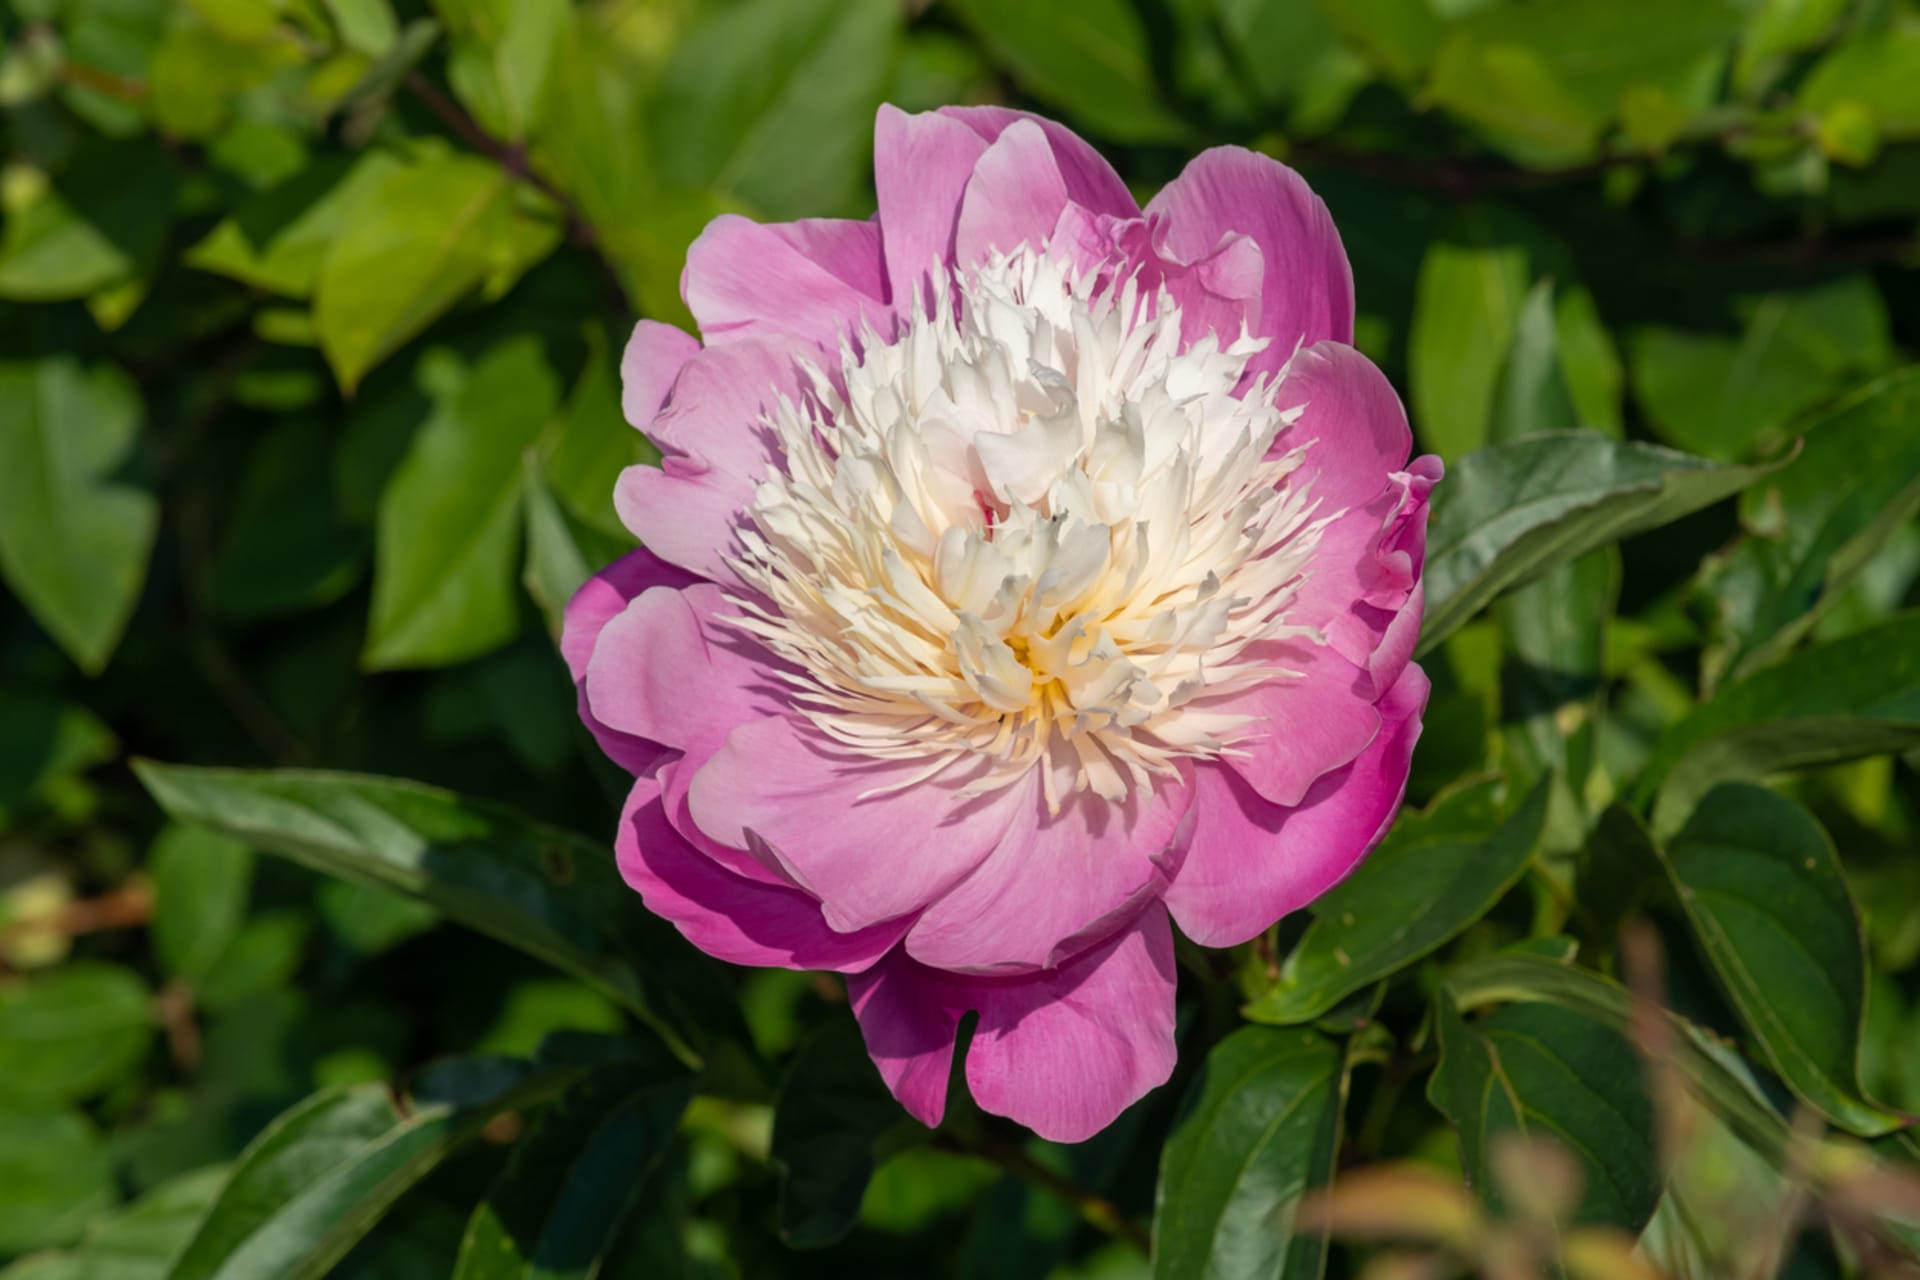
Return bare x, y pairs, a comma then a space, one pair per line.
309, 420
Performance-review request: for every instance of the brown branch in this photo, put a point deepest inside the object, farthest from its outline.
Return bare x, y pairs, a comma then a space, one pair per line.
129, 906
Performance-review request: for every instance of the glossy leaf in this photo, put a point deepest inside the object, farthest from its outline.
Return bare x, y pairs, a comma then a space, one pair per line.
1817, 523
1853, 697
71, 1033
1542, 1070
76, 524
1435, 874
1259, 1128
1512, 511
449, 520
320, 1177
552, 894
572, 1181
1767, 900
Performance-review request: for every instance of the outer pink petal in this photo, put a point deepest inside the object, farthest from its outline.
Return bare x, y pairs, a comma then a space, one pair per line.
1308, 292
1308, 725
1062, 1052
1055, 884
736, 920
652, 360
598, 602
667, 669
1015, 197
804, 280
921, 164
1353, 416
1091, 181
717, 448
1252, 862
782, 790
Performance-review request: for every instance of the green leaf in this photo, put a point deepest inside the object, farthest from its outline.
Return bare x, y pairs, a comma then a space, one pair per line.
562, 552
1766, 897
1719, 396
141, 1241
72, 1033
1853, 697
100, 221
449, 521
201, 883
1714, 1072
75, 530
1817, 523
285, 549
1091, 59
1510, 512
1435, 874
831, 1113
1400, 35
47, 739
772, 102
1880, 70
1259, 1128
572, 1182
322, 1175
1543, 82
591, 443
503, 57
550, 893
412, 244
276, 239
55, 1174
1542, 1070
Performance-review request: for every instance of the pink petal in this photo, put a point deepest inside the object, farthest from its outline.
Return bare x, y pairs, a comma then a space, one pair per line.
1353, 416
648, 367
1014, 198
780, 789
809, 280
1308, 725
597, 603
1055, 884
1090, 180
739, 921
1062, 1052
1252, 862
668, 670
1308, 292
684, 510
921, 164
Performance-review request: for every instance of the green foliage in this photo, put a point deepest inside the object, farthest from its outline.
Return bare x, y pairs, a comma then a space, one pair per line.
311, 314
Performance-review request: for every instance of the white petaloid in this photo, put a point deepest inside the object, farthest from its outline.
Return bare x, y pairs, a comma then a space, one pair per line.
1034, 532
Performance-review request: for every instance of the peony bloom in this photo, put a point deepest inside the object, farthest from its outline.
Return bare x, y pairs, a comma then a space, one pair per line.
1025, 569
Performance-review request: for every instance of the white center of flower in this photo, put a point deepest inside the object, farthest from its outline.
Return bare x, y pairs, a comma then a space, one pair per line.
1034, 532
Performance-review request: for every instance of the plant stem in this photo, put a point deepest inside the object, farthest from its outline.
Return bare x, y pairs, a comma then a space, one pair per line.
1098, 1211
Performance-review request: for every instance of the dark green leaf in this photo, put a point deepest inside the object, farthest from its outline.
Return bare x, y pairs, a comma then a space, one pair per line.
449, 521
141, 1241
1764, 892
98, 222
71, 1033
276, 239
1545, 1071
323, 1174
75, 527
1260, 1127
1435, 874
571, 1182
1510, 512
548, 892
1853, 697
831, 1111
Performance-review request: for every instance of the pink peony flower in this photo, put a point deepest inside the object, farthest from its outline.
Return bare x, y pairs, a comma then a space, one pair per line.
1025, 569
